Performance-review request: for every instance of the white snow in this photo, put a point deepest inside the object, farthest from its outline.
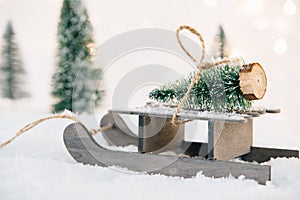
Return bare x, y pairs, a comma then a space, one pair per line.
37, 166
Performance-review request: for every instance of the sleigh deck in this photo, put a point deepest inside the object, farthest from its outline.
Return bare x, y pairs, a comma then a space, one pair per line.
230, 135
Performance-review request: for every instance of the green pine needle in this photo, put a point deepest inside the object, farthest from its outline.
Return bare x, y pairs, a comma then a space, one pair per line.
217, 90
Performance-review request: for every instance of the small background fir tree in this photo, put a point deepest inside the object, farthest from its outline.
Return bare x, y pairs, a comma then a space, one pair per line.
11, 68
75, 81
221, 47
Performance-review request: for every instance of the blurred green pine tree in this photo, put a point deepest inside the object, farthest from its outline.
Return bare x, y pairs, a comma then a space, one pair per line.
11, 67
221, 47
75, 82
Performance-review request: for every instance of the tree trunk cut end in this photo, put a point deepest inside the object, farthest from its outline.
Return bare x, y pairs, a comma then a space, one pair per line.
253, 81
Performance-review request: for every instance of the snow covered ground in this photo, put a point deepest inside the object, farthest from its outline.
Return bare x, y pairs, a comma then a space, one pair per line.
37, 166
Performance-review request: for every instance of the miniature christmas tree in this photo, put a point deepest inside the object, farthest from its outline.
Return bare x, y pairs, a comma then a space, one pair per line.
75, 81
225, 87
221, 47
12, 71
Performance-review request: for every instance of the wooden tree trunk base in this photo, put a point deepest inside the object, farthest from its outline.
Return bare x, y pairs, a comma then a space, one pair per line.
253, 81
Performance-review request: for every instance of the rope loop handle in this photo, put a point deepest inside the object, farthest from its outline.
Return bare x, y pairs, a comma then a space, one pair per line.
195, 32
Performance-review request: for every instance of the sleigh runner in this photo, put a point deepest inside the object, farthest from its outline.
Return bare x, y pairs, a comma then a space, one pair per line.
212, 158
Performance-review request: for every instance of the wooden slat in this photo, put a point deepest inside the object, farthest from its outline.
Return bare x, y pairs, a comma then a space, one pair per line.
260, 154
160, 134
257, 154
273, 110
260, 110
231, 140
191, 115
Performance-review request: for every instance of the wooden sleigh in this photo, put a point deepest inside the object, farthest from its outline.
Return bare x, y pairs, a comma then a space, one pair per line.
230, 136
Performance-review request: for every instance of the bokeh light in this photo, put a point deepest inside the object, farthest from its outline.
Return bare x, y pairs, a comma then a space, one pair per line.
236, 53
253, 7
280, 24
261, 23
211, 3
280, 46
289, 7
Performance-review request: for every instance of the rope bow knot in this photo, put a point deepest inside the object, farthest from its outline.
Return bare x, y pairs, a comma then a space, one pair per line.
200, 67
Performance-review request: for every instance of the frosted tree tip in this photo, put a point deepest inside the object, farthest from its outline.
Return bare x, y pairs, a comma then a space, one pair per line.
68, 113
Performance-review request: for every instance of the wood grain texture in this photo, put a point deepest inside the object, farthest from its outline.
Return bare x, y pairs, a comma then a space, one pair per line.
253, 81
191, 115
84, 149
161, 135
257, 154
232, 139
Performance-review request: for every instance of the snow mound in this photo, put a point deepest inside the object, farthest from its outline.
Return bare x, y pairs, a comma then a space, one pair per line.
37, 166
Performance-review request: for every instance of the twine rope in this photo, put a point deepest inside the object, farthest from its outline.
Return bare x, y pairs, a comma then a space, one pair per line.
200, 66
55, 116
103, 128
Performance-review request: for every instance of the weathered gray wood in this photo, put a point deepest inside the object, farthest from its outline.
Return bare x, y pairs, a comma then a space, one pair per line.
141, 134
161, 135
191, 115
257, 154
260, 154
120, 134
84, 149
260, 110
167, 112
211, 140
230, 140
253, 113
273, 110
